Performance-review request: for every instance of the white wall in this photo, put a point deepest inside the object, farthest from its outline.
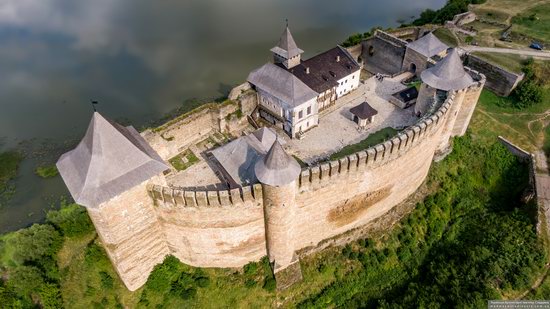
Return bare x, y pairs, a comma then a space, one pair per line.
307, 120
347, 84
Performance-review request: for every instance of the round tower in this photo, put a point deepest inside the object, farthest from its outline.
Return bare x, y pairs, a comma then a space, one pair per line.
277, 173
447, 76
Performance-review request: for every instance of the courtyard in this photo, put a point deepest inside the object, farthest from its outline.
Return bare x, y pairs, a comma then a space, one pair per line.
336, 128
335, 131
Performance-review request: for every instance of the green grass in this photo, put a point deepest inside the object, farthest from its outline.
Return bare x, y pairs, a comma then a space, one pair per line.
178, 161
534, 22
446, 36
496, 115
371, 140
47, 171
511, 62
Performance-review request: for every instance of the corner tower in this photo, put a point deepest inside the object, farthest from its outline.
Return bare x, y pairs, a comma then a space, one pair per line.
447, 78
286, 51
277, 173
107, 173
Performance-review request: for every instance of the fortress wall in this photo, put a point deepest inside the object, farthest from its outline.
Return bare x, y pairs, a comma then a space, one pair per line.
469, 103
338, 196
499, 80
212, 228
227, 228
383, 53
128, 228
177, 135
355, 51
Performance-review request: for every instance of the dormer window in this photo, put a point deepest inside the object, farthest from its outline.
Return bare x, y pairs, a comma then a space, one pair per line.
332, 73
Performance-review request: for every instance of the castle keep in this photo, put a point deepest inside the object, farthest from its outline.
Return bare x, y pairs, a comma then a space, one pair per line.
259, 201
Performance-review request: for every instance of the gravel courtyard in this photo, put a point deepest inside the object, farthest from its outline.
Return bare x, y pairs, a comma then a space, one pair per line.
336, 128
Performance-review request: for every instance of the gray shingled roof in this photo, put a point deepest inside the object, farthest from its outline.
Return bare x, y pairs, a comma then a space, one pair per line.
277, 168
282, 84
363, 111
109, 160
428, 45
286, 46
447, 74
238, 157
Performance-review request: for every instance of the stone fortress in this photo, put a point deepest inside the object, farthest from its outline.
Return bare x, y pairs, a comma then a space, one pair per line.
249, 198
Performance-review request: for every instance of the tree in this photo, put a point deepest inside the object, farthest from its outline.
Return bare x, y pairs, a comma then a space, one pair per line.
35, 243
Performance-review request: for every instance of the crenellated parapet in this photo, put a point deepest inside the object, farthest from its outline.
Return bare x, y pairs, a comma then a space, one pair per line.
376, 155
165, 196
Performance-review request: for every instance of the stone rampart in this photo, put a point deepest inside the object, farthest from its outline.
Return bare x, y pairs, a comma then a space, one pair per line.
383, 53
499, 80
225, 228
178, 134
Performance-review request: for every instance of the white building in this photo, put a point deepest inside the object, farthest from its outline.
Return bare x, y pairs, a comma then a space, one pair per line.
292, 91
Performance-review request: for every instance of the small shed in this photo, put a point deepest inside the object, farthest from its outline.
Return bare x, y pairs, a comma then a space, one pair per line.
404, 98
363, 114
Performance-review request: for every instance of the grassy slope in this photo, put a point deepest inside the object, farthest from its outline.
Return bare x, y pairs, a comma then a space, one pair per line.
507, 61
539, 28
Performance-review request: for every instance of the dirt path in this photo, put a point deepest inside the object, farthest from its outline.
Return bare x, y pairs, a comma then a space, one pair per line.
523, 52
536, 284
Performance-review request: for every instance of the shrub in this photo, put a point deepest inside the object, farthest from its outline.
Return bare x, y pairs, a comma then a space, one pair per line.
249, 283
160, 279
71, 219
270, 284
35, 243
107, 282
203, 282
251, 268
346, 251
528, 93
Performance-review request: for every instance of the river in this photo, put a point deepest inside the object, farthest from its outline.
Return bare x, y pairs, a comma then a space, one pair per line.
141, 59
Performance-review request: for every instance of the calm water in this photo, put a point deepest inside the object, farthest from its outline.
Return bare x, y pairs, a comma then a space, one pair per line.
141, 59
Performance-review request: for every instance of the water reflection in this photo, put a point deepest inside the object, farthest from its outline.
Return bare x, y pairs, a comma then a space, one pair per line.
143, 58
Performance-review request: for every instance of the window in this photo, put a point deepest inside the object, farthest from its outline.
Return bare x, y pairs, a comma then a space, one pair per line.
300, 114
309, 110
353, 77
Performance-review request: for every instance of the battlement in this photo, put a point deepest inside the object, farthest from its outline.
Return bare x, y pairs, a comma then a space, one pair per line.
192, 197
379, 154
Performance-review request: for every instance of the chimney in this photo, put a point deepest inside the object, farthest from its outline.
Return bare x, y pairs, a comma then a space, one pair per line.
307, 70
338, 58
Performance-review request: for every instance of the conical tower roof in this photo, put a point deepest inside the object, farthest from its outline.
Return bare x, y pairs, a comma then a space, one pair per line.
447, 74
277, 168
428, 45
109, 160
287, 46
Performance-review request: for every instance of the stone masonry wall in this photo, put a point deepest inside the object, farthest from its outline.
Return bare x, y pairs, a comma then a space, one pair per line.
128, 227
226, 228
499, 80
212, 228
195, 126
383, 53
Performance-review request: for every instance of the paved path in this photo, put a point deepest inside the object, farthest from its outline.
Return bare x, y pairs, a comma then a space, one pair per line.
523, 52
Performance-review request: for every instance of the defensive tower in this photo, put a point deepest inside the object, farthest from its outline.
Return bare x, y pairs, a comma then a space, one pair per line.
277, 173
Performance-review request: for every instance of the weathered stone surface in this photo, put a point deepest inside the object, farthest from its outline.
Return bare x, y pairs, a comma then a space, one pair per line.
232, 228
